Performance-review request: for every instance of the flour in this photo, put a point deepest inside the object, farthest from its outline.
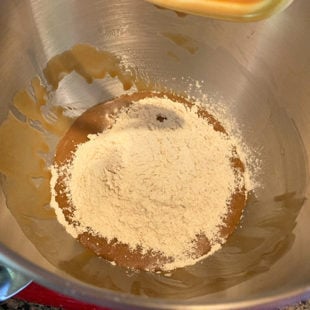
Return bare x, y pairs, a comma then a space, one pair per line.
156, 179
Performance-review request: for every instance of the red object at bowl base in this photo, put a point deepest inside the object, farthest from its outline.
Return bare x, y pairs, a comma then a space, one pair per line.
38, 294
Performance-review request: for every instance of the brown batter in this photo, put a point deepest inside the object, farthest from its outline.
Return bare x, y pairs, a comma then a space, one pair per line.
94, 121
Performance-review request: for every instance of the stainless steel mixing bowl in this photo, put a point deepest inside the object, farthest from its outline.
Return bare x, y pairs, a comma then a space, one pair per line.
260, 71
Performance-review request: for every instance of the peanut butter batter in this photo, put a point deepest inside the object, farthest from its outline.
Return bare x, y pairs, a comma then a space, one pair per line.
94, 121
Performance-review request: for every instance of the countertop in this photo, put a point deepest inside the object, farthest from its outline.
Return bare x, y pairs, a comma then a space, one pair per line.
17, 304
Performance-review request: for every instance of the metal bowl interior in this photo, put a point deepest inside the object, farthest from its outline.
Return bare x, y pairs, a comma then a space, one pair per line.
259, 72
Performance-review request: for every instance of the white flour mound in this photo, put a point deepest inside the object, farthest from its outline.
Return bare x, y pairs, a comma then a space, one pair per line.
157, 179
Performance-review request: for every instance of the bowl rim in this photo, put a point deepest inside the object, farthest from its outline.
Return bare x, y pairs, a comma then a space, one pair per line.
103, 297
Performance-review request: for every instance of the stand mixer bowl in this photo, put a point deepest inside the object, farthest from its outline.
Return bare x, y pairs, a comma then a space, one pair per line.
259, 71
